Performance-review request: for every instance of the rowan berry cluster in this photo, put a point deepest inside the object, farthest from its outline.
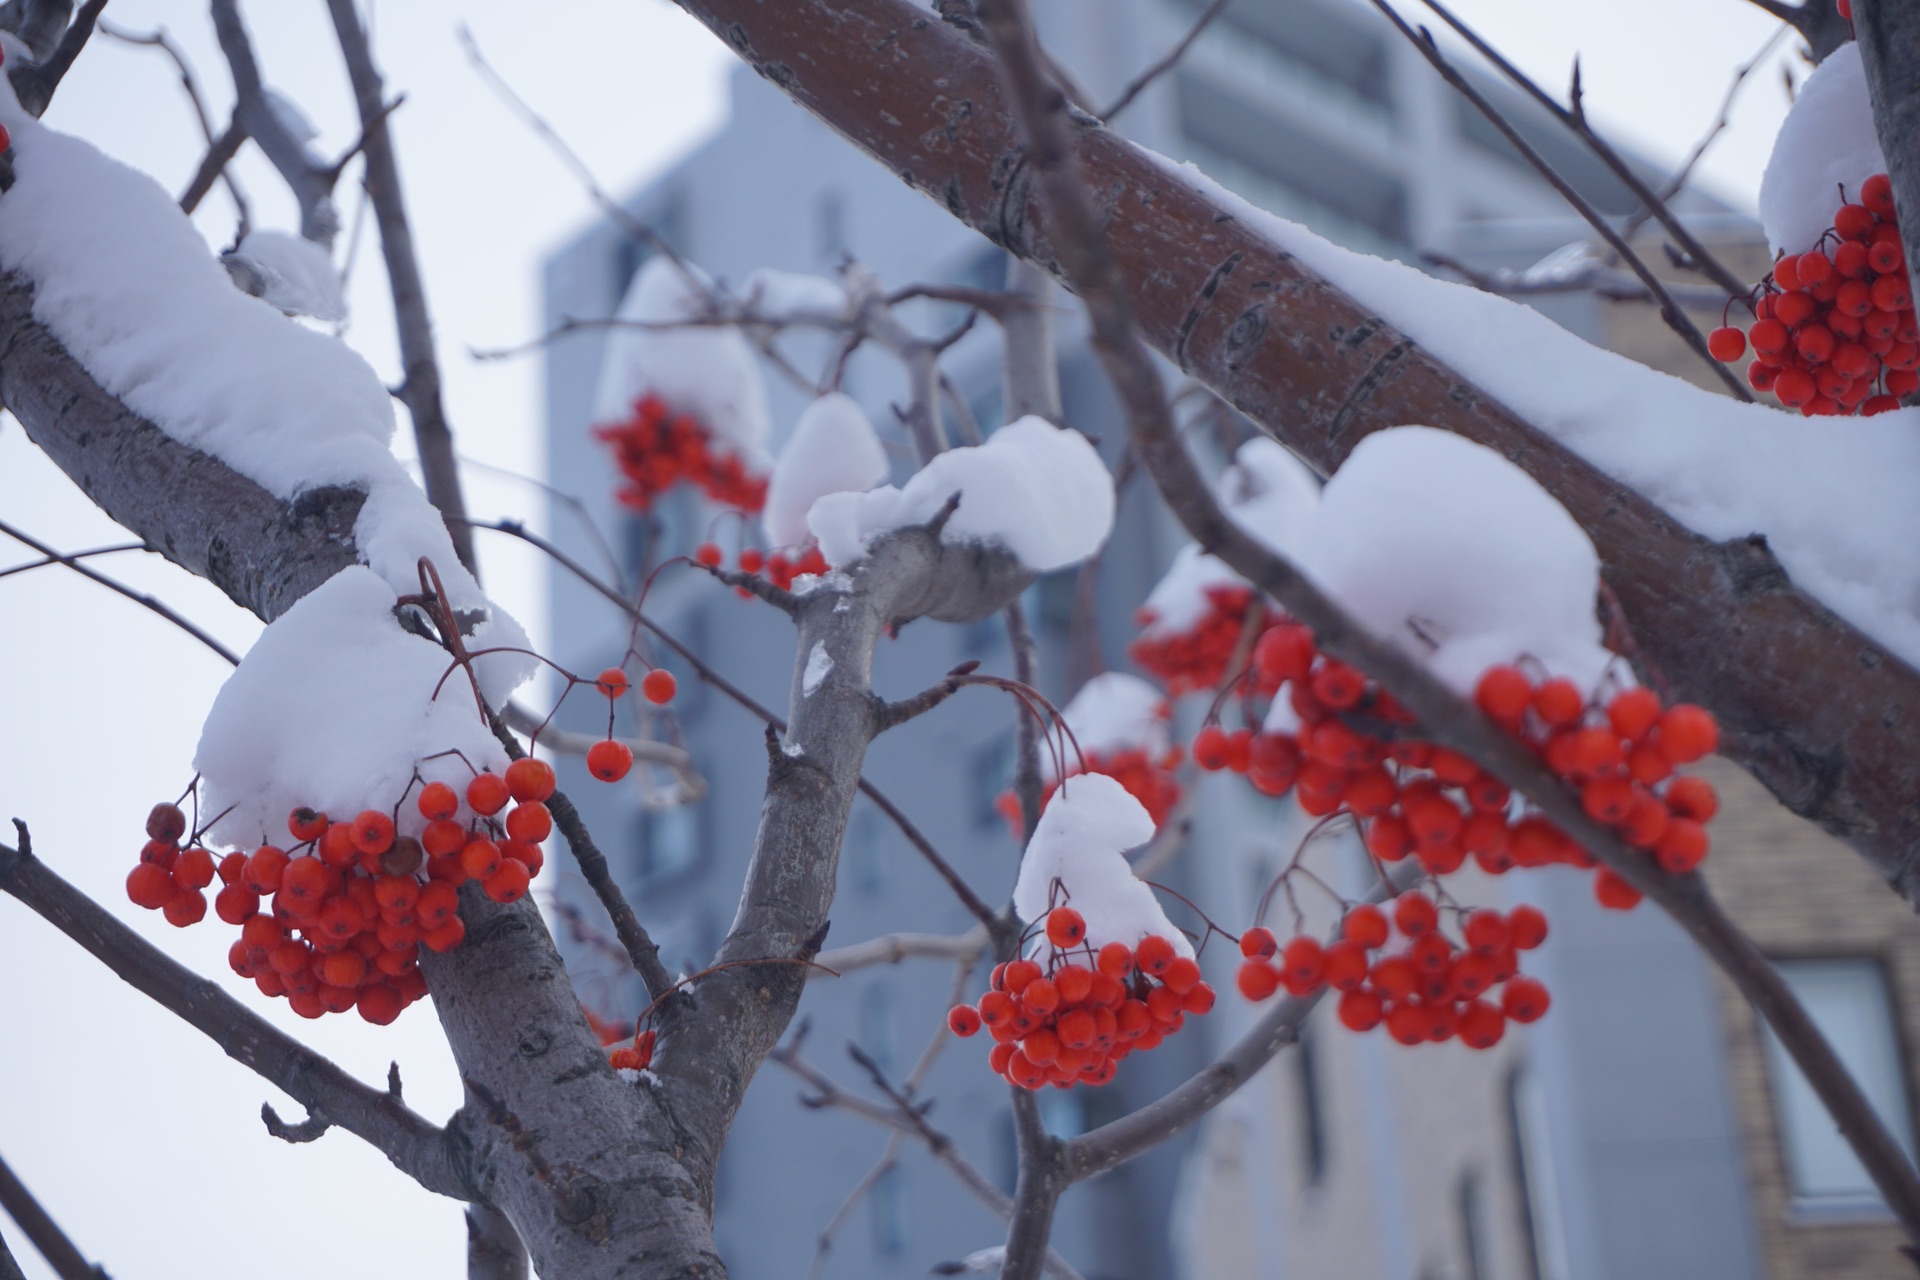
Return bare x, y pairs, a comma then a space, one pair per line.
1068, 1022
1429, 989
657, 449
1198, 657
1834, 330
1148, 778
1353, 754
334, 920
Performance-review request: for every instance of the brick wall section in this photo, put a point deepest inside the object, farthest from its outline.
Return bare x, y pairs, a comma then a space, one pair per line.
1800, 893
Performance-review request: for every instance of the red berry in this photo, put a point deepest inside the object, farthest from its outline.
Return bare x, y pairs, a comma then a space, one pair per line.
487, 794
149, 886
508, 883
1361, 1010
1524, 999
707, 554
1303, 964
480, 859
185, 907
1182, 975
1683, 847
1210, 749
609, 761
1066, 927
1876, 193
194, 868
1688, 733
1366, 924
372, 832
1414, 914
438, 802
658, 686
1257, 979
1154, 955
963, 1020
1613, 892
1692, 798
1727, 344
1258, 942
530, 779
236, 904
1559, 702
1285, 652
1527, 926
304, 824
612, 682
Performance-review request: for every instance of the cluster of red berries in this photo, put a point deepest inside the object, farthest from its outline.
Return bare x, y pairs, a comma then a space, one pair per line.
1147, 778
1430, 989
657, 449
1071, 1023
1198, 657
335, 920
1415, 799
1834, 330
611, 760
778, 567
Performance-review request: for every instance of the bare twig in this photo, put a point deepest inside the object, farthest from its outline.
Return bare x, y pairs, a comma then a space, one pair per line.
1166, 63
254, 110
139, 598
308, 1130
892, 948
221, 148
1605, 282
1669, 309
416, 1147
420, 378
894, 714
42, 1231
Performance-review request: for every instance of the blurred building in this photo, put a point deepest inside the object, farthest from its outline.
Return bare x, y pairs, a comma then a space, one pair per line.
1643, 1130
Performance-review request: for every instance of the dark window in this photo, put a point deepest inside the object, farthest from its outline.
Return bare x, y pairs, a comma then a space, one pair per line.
1313, 1118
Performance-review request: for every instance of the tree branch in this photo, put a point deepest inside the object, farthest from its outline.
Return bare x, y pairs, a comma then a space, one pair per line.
42, 1231
494, 1251
1166, 63
311, 184
1888, 32
417, 1148
35, 82
420, 369
220, 150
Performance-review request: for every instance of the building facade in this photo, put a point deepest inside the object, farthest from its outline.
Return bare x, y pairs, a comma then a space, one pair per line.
1635, 1133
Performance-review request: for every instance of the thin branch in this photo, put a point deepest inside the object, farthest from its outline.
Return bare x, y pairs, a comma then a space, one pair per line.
756, 585
889, 1160
892, 948
220, 149
254, 109
968, 898
1669, 309
139, 598
42, 1231
641, 949
1604, 282
308, 1130
416, 1147
420, 369
1166, 62
894, 714
36, 82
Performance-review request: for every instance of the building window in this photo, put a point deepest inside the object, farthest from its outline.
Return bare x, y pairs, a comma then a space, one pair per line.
1847, 999
1313, 1110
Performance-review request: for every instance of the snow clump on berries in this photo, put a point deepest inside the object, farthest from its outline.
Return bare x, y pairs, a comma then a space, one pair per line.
1038, 490
1459, 557
707, 372
334, 707
1077, 858
1113, 712
833, 449
1827, 142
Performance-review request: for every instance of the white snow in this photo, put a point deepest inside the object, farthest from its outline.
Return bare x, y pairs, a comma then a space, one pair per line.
290, 273
1083, 835
833, 449
794, 295
1038, 490
1429, 539
1834, 499
295, 121
333, 708
1827, 141
1115, 711
708, 371
1269, 493
819, 667
1568, 262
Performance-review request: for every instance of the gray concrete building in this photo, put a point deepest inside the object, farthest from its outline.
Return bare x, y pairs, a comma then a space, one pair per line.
1603, 1144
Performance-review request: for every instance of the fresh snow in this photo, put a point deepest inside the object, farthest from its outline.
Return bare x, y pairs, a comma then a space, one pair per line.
1269, 493
1081, 842
1827, 141
707, 371
1115, 711
833, 449
1834, 498
1038, 490
287, 272
1444, 548
334, 708
819, 667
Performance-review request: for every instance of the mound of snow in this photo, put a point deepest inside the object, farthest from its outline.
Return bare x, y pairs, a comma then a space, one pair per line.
334, 708
707, 371
287, 272
1826, 142
1115, 711
1038, 490
1080, 845
833, 449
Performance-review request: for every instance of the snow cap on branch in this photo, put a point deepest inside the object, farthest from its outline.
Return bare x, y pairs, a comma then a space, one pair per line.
334, 708
1450, 551
1080, 843
1828, 141
833, 449
1038, 490
1115, 711
706, 371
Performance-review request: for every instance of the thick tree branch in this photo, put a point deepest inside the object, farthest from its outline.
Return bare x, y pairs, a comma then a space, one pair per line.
1815, 709
494, 1251
420, 369
417, 1148
42, 1231
1889, 35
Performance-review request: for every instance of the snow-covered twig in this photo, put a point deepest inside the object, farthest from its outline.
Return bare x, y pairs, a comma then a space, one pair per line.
42, 1231
1669, 309
1591, 277
266, 121
416, 1147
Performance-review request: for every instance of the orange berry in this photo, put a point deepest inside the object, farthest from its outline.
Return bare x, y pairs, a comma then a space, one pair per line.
480, 858
530, 779
444, 937
1524, 999
1559, 702
1154, 955
1066, 927
438, 801
1504, 693
609, 761
1692, 798
1116, 959
1613, 892
185, 907
1366, 924
379, 1003
1257, 979
963, 1020
612, 682
305, 824
1683, 847
487, 794
1414, 914
1258, 942
372, 832
508, 883
658, 687
149, 886
1687, 733
236, 904
193, 869
530, 821
1182, 975
438, 903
